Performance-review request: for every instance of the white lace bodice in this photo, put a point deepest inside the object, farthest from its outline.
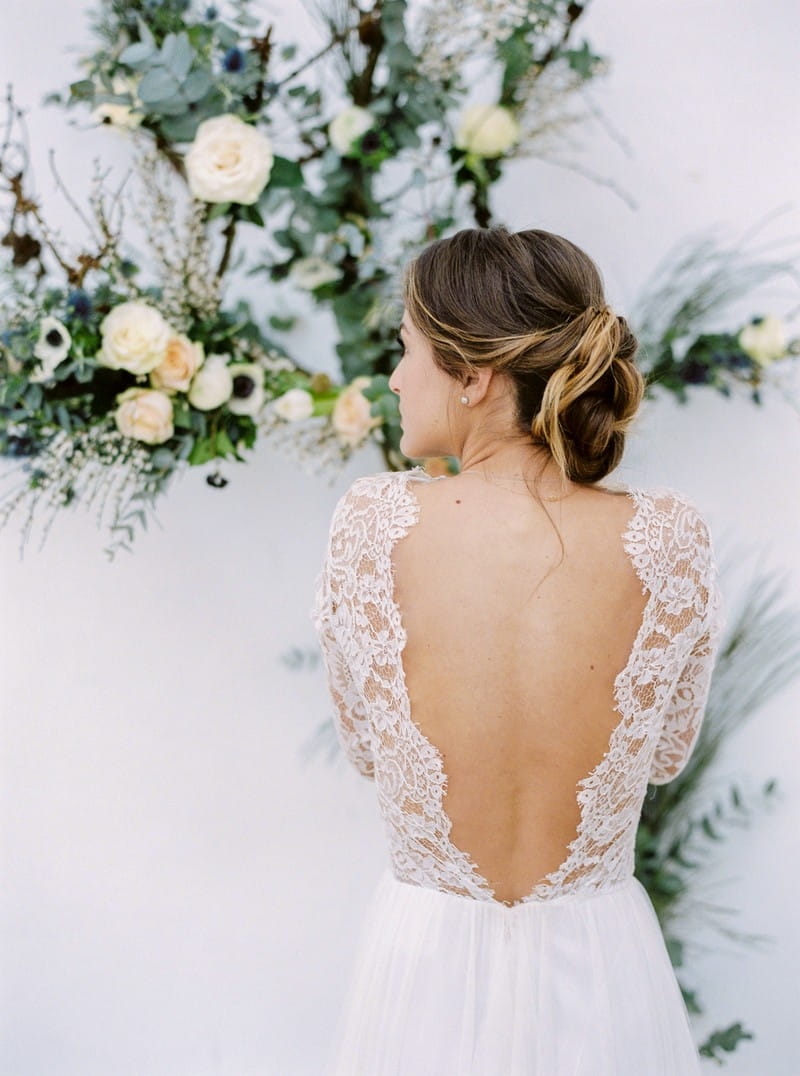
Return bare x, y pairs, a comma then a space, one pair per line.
661, 693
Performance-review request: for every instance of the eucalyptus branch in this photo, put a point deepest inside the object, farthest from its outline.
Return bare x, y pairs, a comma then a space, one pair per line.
24, 207
338, 38
10, 111
370, 35
574, 12
61, 187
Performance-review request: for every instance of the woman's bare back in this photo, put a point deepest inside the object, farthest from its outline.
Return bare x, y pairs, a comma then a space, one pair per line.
511, 657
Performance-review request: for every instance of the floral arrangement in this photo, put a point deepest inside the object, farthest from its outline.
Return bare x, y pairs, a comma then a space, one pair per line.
694, 285
340, 160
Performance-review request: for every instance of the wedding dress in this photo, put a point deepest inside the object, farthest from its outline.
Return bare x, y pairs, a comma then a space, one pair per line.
574, 979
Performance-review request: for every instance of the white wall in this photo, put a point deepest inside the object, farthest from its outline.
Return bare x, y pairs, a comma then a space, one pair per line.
181, 890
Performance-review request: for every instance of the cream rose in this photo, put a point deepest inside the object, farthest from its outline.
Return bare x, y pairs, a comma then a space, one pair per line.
212, 384
229, 161
487, 131
135, 338
351, 416
310, 273
294, 405
349, 125
764, 340
181, 362
145, 415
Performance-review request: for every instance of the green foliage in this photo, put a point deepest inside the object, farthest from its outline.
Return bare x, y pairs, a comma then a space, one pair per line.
695, 284
725, 1041
680, 830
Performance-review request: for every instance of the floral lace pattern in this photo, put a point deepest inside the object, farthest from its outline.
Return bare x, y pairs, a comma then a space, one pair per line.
660, 694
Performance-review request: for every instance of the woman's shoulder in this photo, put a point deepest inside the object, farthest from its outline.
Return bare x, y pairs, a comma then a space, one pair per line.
378, 499
664, 503
370, 486
667, 532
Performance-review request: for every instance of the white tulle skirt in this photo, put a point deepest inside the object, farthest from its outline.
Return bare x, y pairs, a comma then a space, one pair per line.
445, 985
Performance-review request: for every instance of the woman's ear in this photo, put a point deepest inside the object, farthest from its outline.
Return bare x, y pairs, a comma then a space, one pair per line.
477, 383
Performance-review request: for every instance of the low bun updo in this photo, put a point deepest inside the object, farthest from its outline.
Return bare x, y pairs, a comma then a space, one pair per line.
531, 305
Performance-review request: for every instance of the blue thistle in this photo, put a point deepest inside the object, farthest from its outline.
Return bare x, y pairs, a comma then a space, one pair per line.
79, 303
234, 60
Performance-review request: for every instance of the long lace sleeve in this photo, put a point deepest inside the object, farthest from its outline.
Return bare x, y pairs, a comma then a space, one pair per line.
694, 598
330, 614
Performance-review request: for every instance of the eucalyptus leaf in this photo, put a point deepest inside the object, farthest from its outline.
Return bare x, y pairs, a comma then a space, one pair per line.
137, 55
34, 397
177, 55
164, 460
196, 85
82, 90
145, 33
157, 85
227, 38
180, 128
172, 106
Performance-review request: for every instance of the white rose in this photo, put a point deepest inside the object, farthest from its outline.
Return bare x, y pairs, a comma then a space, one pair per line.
212, 384
310, 273
145, 415
248, 394
487, 130
117, 115
229, 161
181, 362
351, 416
294, 405
349, 125
764, 340
135, 338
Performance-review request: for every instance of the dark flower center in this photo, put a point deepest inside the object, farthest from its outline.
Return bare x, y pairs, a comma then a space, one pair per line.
54, 338
243, 386
370, 142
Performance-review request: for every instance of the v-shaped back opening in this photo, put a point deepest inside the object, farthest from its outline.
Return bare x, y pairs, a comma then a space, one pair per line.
490, 812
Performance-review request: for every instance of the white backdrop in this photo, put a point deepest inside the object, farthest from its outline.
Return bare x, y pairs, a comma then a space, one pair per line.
181, 890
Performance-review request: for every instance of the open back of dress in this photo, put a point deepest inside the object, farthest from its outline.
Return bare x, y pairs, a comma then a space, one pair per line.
510, 704
512, 707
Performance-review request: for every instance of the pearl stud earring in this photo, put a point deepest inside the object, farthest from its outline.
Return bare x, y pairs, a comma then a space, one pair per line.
465, 399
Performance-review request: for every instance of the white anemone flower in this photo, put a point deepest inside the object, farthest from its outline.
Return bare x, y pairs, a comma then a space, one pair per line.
116, 114
248, 396
51, 349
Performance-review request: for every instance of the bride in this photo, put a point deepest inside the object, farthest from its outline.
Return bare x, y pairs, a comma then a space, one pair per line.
513, 654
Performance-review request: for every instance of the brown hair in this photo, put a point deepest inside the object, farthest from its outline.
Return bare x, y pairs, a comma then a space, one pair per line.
530, 304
